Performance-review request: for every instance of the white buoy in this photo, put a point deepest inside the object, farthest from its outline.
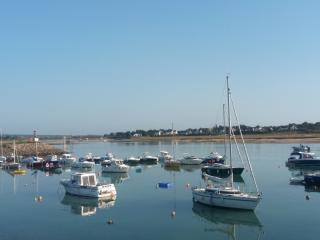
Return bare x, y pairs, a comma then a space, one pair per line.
173, 214
38, 199
110, 221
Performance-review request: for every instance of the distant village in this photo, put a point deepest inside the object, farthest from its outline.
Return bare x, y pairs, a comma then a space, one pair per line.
218, 130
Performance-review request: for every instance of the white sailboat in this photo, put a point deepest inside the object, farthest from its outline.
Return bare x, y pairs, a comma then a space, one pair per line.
227, 195
14, 167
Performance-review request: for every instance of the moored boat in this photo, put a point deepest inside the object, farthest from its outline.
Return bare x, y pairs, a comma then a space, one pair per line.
67, 159
148, 159
221, 170
212, 158
132, 160
115, 166
164, 155
84, 166
86, 184
190, 160
227, 195
302, 155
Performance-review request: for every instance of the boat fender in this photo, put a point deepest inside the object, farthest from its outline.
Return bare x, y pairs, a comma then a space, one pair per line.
47, 165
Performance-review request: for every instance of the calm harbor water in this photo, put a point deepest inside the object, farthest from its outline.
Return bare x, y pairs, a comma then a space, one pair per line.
142, 211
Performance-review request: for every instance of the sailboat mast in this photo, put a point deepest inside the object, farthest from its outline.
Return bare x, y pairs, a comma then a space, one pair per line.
172, 141
14, 151
230, 132
1, 143
64, 144
224, 130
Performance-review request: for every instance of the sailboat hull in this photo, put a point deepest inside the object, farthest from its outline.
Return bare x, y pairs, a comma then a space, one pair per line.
236, 201
222, 171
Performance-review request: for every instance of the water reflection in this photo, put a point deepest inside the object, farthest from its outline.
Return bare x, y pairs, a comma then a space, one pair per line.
86, 206
190, 168
295, 167
226, 221
173, 168
298, 178
116, 178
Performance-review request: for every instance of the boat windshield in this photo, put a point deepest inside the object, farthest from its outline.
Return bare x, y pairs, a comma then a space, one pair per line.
88, 180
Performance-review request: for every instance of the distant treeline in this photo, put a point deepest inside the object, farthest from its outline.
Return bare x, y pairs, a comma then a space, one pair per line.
218, 130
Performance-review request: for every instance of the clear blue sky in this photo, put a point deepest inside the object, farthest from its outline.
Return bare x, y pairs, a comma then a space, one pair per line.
78, 67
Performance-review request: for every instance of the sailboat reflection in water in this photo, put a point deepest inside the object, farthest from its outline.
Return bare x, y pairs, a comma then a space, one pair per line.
86, 206
227, 221
226, 194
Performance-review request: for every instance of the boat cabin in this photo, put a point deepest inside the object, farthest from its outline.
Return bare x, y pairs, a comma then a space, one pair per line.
301, 148
301, 155
84, 179
226, 190
164, 153
66, 156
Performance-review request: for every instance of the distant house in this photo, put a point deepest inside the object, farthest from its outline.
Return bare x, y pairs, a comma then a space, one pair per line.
159, 133
137, 135
293, 127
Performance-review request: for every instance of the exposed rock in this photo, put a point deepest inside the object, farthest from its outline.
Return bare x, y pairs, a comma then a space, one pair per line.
29, 149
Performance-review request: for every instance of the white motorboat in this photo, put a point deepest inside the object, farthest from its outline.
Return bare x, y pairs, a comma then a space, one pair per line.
115, 166
213, 157
164, 155
148, 159
191, 160
84, 166
67, 158
132, 160
228, 195
86, 184
88, 157
109, 156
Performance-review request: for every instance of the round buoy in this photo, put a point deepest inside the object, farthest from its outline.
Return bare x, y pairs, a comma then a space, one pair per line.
187, 185
173, 214
110, 221
307, 197
38, 199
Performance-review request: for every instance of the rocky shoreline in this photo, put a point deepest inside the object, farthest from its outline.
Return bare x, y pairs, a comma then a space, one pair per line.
29, 149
